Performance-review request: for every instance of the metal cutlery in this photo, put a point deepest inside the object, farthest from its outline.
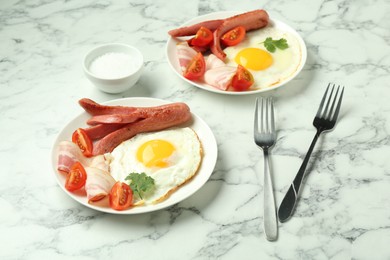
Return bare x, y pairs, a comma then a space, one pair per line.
324, 120
265, 138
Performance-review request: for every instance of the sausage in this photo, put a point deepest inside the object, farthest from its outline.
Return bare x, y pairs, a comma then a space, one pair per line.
101, 130
114, 119
95, 109
115, 124
172, 115
192, 29
250, 21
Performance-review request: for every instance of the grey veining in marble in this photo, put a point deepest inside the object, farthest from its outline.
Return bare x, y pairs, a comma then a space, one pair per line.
344, 210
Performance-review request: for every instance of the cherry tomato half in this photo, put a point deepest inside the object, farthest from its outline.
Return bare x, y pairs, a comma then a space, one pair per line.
243, 79
76, 177
196, 68
83, 141
234, 36
202, 38
121, 196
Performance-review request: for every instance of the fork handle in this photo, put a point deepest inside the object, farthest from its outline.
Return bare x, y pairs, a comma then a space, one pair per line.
289, 201
270, 220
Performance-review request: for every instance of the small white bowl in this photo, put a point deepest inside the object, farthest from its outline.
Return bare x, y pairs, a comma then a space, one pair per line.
113, 68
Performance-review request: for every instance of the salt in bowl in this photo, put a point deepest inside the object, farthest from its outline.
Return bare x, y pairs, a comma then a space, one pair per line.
114, 67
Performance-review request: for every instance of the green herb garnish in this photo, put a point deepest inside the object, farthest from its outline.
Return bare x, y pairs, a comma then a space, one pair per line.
140, 183
271, 45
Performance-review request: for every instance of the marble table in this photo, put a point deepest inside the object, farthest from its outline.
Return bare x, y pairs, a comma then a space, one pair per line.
344, 210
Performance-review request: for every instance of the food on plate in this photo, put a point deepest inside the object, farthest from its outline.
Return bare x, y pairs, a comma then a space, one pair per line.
143, 119
234, 36
121, 196
250, 21
202, 38
98, 184
193, 29
243, 79
268, 68
247, 53
157, 119
82, 140
114, 119
141, 184
76, 177
69, 153
149, 155
271, 45
196, 68
95, 132
171, 157
185, 54
93, 108
213, 62
220, 77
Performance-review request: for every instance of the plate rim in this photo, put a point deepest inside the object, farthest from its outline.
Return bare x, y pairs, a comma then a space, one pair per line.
222, 14
206, 170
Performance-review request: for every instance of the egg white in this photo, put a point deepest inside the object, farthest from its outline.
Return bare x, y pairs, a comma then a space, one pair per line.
182, 164
285, 62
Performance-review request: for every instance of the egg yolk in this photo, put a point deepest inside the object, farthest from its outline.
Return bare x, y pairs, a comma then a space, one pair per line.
254, 59
154, 153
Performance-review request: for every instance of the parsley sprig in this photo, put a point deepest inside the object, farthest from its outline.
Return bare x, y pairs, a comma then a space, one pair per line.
271, 45
140, 183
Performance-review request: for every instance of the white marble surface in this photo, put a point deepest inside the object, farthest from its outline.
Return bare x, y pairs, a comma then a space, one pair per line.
344, 211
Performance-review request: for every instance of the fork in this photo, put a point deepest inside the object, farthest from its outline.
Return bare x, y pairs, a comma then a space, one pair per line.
265, 138
324, 120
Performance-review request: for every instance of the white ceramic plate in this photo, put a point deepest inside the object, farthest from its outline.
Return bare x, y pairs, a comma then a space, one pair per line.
203, 131
174, 63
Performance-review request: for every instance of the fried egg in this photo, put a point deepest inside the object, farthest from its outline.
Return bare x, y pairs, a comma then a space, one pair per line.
267, 68
171, 157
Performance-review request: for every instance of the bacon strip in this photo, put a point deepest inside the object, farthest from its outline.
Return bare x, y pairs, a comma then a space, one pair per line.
99, 181
250, 21
99, 162
98, 184
68, 154
192, 29
220, 77
213, 62
171, 115
185, 54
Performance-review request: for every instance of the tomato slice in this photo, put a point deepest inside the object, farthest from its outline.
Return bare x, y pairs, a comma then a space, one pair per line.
203, 37
234, 36
76, 177
121, 196
196, 68
243, 79
81, 138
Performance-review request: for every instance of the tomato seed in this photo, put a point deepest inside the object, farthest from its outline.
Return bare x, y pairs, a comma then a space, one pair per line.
81, 146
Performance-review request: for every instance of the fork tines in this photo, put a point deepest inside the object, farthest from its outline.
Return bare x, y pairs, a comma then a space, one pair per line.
326, 112
266, 124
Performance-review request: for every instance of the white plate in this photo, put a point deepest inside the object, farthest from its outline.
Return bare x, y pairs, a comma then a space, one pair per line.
203, 131
174, 63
